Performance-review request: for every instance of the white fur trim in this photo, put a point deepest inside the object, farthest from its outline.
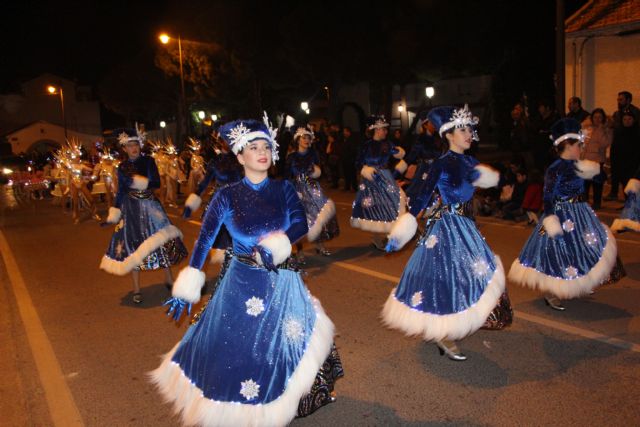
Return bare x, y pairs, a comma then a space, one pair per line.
367, 172
403, 230
152, 243
620, 224
140, 182
196, 409
193, 202
316, 172
216, 256
400, 154
380, 226
633, 186
551, 224
114, 215
568, 288
488, 178
587, 169
433, 327
279, 245
327, 212
188, 284
402, 166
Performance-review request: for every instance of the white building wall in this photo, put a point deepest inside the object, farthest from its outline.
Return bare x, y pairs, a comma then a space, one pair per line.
22, 139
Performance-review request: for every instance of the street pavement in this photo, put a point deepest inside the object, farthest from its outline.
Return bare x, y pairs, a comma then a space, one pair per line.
82, 353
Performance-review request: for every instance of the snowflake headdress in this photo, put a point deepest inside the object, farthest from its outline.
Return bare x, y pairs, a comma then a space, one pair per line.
377, 122
447, 118
567, 128
194, 145
238, 133
136, 134
302, 131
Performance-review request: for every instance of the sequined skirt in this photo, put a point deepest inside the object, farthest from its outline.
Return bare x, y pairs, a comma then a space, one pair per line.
379, 201
314, 200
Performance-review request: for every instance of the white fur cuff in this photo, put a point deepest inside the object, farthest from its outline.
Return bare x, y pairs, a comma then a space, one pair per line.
402, 166
489, 177
587, 169
316, 172
140, 182
188, 284
114, 215
368, 172
552, 225
193, 202
400, 154
633, 186
403, 229
279, 245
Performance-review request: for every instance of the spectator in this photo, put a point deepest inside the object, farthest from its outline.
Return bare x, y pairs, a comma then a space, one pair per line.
601, 136
576, 111
625, 153
512, 208
624, 104
542, 147
532, 203
333, 159
520, 134
350, 148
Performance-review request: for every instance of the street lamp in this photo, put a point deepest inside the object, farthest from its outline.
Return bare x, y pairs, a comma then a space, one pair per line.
163, 124
304, 106
430, 91
201, 115
165, 39
214, 117
400, 108
55, 90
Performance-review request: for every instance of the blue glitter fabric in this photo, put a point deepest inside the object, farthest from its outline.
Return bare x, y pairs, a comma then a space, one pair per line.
452, 280
582, 256
144, 238
320, 211
261, 340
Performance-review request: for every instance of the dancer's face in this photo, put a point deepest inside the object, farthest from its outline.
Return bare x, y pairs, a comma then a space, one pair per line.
133, 149
256, 156
304, 142
460, 139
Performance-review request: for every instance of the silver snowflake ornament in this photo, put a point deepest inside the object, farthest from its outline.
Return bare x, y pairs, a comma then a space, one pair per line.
249, 389
236, 133
416, 299
568, 226
424, 176
590, 238
367, 202
480, 268
570, 272
255, 306
293, 331
432, 240
361, 187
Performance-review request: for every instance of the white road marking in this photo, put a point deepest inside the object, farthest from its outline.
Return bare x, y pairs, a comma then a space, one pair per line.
62, 407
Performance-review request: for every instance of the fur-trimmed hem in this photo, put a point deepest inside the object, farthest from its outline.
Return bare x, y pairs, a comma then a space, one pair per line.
316, 172
488, 178
327, 212
195, 409
152, 243
370, 225
367, 172
114, 215
193, 202
279, 245
188, 284
216, 256
140, 182
620, 224
400, 154
587, 169
401, 167
633, 186
403, 230
433, 327
551, 224
568, 288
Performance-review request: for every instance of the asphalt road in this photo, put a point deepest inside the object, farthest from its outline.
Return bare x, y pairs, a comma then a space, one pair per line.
72, 340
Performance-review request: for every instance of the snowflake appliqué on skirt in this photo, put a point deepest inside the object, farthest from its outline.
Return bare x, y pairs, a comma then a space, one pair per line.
255, 306
568, 226
416, 299
362, 187
367, 202
570, 272
590, 238
480, 268
293, 331
249, 389
431, 241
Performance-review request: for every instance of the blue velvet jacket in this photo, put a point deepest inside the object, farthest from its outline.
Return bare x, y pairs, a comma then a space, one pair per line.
143, 166
301, 163
376, 154
562, 183
422, 150
224, 168
251, 212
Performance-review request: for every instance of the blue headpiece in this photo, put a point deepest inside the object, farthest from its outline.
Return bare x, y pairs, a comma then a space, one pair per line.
238, 133
447, 118
376, 122
564, 129
126, 135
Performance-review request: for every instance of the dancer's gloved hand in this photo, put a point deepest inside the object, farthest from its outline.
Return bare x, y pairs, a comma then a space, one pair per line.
392, 245
176, 307
266, 257
186, 213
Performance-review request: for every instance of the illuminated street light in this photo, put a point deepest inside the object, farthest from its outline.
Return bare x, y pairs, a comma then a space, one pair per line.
52, 90
163, 124
430, 91
400, 108
164, 38
55, 90
304, 106
201, 115
308, 111
214, 117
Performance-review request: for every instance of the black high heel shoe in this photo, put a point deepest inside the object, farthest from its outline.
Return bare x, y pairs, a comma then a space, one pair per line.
452, 351
554, 303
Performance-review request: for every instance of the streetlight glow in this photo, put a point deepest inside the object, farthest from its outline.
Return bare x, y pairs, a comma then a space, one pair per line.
201, 114
214, 117
400, 108
164, 38
163, 124
51, 89
430, 91
304, 106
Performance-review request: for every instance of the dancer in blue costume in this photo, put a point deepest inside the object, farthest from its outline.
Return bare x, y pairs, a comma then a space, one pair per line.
453, 281
630, 216
379, 200
303, 169
422, 154
570, 252
144, 238
262, 351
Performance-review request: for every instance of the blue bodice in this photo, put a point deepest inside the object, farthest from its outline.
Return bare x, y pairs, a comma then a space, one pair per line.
224, 168
422, 150
376, 153
250, 212
301, 163
561, 183
453, 175
143, 166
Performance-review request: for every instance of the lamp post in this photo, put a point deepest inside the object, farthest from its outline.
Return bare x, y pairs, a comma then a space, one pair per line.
165, 39
57, 90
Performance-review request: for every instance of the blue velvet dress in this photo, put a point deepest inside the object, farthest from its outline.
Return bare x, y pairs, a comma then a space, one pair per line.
630, 216
423, 153
452, 281
256, 350
144, 238
582, 256
379, 202
320, 210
